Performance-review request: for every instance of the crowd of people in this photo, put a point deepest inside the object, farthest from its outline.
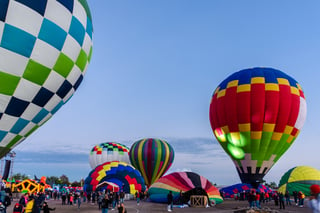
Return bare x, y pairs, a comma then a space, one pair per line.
281, 200
108, 200
36, 202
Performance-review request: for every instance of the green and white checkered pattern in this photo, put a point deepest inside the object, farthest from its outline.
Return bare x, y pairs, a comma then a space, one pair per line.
45, 48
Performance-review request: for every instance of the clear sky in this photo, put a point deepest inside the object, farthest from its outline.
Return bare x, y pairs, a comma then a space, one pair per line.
154, 68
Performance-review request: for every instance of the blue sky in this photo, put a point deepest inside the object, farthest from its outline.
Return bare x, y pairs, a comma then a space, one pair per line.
154, 68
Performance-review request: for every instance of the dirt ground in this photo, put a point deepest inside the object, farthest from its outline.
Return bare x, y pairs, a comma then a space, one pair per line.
146, 207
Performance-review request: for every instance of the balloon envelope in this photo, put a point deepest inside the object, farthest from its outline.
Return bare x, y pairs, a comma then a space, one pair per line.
299, 178
256, 114
230, 191
188, 183
122, 174
107, 152
152, 157
45, 47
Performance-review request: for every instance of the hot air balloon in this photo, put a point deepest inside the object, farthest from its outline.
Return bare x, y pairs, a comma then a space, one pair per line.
256, 114
230, 191
45, 48
107, 152
152, 157
188, 183
122, 174
299, 178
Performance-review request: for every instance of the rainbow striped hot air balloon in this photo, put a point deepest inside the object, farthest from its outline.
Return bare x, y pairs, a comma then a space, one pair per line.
256, 114
188, 183
122, 174
152, 157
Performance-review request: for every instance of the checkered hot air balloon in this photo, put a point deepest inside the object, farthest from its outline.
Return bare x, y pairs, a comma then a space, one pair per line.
107, 152
45, 48
152, 157
256, 114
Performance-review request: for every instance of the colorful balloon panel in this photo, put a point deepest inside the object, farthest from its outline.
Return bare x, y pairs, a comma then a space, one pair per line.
299, 178
229, 191
152, 157
45, 48
106, 152
256, 114
184, 182
124, 175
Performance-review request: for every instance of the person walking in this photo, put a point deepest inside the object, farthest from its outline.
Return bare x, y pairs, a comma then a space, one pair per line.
170, 201
138, 197
46, 208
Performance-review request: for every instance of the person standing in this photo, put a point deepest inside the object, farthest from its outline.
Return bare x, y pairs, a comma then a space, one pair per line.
79, 201
281, 201
257, 198
100, 197
17, 208
30, 205
314, 202
122, 196
105, 204
121, 208
287, 196
301, 197
170, 201
23, 200
295, 197
2, 208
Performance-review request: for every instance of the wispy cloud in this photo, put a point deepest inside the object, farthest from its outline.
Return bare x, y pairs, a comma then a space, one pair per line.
204, 156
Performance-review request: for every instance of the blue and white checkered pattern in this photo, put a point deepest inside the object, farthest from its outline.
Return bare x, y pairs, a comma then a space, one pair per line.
45, 48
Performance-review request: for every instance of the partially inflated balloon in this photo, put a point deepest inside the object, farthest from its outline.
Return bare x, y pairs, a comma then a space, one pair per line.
256, 114
45, 47
230, 191
188, 183
152, 157
122, 174
107, 152
299, 178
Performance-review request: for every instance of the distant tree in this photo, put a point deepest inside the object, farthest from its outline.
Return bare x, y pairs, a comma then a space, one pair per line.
75, 184
272, 185
53, 180
20, 176
64, 180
